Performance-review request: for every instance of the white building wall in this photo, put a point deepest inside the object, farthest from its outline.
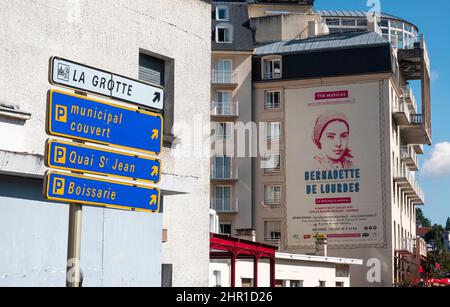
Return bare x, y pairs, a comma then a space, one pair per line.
311, 273
109, 35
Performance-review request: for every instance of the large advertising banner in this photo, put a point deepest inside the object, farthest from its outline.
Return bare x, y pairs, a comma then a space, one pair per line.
333, 166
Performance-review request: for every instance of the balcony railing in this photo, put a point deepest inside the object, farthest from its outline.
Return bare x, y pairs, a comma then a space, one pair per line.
272, 76
407, 246
401, 113
222, 205
224, 77
230, 173
228, 109
408, 95
407, 180
421, 247
409, 156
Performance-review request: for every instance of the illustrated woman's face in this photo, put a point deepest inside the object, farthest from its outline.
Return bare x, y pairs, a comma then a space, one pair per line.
335, 140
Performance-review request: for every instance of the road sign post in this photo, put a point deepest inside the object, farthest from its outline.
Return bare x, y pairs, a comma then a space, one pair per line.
81, 119
73, 276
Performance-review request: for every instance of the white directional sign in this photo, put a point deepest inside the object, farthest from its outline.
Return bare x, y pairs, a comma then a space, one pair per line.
85, 78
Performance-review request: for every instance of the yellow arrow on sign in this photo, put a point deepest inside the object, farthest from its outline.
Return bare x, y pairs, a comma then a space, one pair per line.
153, 200
155, 134
155, 171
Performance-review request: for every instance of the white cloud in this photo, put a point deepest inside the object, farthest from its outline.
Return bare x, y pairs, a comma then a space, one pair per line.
434, 75
438, 165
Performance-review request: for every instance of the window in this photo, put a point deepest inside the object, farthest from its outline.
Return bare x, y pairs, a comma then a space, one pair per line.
272, 195
224, 104
272, 100
272, 164
222, 168
296, 283
339, 285
322, 284
361, 22
225, 229
222, 13
161, 72
224, 72
223, 131
333, 21
247, 283
272, 231
273, 131
280, 284
342, 271
217, 279
272, 69
348, 22
222, 202
224, 33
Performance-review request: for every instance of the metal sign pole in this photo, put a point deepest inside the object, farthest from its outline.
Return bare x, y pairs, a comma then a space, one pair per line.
73, 277
74, 246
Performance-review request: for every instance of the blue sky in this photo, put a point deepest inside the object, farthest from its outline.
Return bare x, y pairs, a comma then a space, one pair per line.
433, 22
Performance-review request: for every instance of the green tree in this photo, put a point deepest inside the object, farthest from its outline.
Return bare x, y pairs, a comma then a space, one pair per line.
421, 219
447, 226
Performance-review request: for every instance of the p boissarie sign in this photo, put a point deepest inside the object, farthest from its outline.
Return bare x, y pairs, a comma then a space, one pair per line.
100, 192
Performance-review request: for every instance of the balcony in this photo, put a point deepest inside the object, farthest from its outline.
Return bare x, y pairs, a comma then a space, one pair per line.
272, 76
225, 109
413, 61
230, 174
410, 99
402, 114
417, 132
406, 247
419, 149
221, 205
406, 179
421, 248
224, 79
409, 157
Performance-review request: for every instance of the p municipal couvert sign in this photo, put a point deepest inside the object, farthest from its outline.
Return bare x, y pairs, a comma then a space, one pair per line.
79, 118
78, 76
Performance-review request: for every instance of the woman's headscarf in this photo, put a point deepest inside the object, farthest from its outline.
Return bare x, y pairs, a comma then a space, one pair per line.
322, 123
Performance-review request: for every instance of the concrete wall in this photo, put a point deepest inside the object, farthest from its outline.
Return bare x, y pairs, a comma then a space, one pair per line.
284, 27
259, 10
110, 35
33, 235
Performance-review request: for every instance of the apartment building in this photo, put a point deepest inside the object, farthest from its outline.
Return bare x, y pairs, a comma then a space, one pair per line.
339, 90
155, 41
231, 103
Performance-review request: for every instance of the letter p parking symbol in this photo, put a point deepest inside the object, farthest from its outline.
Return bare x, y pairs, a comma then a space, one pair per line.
60, 155
61, 114
58, 186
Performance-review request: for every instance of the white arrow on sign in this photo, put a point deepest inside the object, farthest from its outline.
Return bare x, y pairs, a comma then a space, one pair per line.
85, 78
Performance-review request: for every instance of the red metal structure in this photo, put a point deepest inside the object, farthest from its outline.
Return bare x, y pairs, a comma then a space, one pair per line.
224, 247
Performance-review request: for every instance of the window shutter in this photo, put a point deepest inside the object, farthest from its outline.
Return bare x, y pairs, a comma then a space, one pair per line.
151, 69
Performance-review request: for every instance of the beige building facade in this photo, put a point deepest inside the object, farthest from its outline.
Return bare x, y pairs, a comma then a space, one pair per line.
155, 41
310, 67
